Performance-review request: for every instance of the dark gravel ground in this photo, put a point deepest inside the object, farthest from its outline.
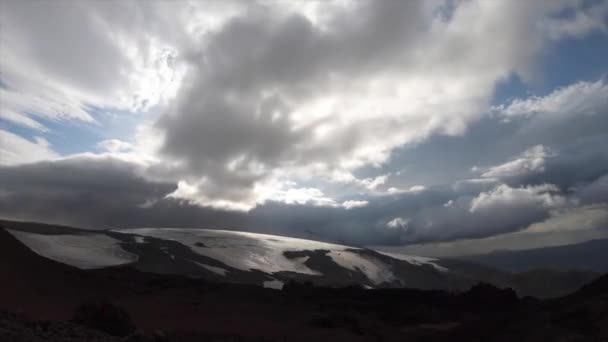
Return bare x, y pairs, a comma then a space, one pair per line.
14, 328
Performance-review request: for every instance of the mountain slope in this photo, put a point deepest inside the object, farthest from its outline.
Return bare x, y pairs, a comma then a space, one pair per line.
272, 261
27, 279
230, 256
187, 309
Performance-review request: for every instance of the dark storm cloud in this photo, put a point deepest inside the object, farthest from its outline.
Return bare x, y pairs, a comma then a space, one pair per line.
595, 192
108, 193
437, 214
92, 191
572, 164
267, 48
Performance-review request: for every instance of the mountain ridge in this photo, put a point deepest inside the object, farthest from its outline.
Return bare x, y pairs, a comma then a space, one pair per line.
268, 260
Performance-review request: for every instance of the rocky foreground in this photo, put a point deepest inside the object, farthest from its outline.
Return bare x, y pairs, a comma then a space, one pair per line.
484, 313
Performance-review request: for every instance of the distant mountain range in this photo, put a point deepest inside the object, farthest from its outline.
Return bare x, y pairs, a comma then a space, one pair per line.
587, 256
273, 261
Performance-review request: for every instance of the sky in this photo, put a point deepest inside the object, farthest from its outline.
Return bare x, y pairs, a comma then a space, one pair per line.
437, 127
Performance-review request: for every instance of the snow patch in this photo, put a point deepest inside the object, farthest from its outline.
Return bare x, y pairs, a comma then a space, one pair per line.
375, 270
85, 251
415, 260
217, 270
242, 250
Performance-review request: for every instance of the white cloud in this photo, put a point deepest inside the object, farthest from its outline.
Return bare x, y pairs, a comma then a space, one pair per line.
20, 119
593, 18
581, 98
17, 150
505, 197
310, 196
61, 61
191, 194
115, 146
345, 177
374, 183
529, 162
412, 189
354, 204
285, 192
397, 223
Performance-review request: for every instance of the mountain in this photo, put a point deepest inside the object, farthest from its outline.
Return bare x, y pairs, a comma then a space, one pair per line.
229, 256
272, 261
39, 296
591, 256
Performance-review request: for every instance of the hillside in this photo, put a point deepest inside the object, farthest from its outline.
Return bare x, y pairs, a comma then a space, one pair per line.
272, 261
171, 308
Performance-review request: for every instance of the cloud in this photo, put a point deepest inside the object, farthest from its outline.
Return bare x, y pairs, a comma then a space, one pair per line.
508, 197
530, 161
592, 18
351, 204
505, 198
412, 189
107, 192
408, 218
114, 146
62, 61
85, 190
587, 217
374, 183
581, 98
445, 214
17, 150
397, 223
595, 192
254, 95
562, 135
562, 227
312, 196
20, 119
275, 96
573, 163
